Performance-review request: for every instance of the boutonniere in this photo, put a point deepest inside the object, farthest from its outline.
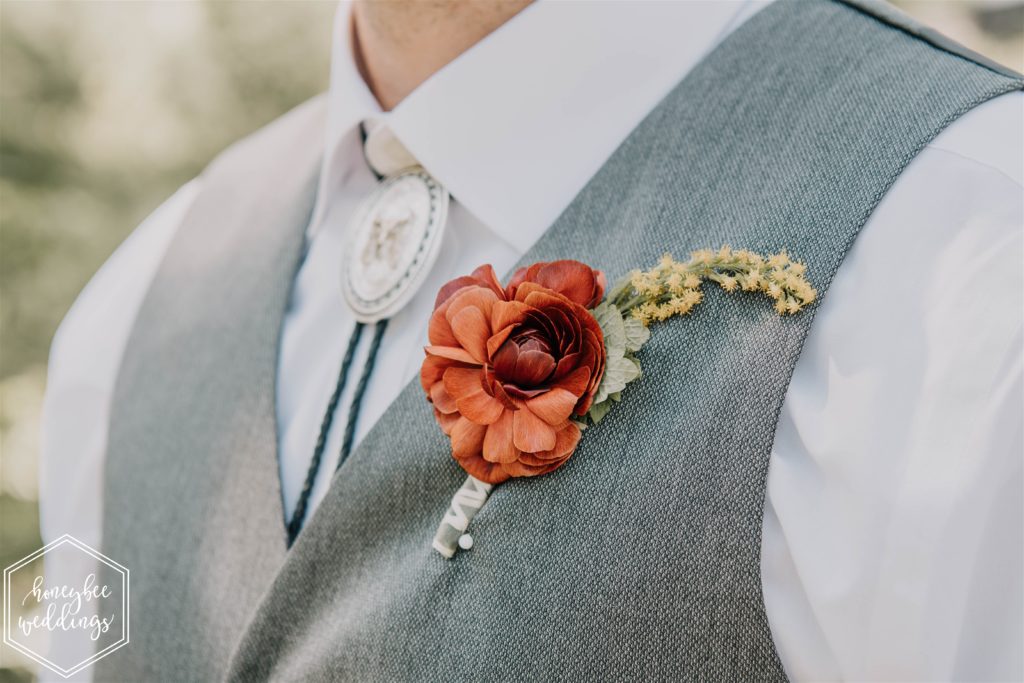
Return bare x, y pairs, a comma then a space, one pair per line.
516, 373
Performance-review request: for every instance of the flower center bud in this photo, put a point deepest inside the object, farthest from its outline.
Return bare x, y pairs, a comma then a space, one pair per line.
525, 361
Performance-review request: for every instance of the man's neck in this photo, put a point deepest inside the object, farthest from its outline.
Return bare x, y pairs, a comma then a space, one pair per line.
401, 43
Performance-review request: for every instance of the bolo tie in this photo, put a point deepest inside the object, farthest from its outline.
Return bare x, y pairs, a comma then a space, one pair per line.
392, 243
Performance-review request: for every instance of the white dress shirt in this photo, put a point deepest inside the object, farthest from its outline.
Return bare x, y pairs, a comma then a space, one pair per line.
892, 531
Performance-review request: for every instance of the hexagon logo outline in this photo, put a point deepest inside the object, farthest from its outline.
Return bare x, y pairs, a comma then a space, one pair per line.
96, 656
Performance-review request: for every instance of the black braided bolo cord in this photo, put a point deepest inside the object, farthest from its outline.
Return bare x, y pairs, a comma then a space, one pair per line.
357, 397
299, 516
302, 506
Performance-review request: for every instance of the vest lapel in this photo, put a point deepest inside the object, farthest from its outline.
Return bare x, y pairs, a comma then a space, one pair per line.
208, 431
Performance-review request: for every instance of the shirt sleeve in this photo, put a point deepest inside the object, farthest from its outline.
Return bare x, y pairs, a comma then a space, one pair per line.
83, 365
893, 521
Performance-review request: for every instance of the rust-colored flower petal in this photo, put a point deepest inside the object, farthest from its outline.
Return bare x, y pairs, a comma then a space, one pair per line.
505, 313
471, 329
468, 315
577, 381
554, 406
527, 288
543, 298
576, 281
447, 422
477, 297
432, 371
484, 276
602, 287
566, 440
521, 469
439, 331
567, 364
455, 353
524, 274
466, 386
498, 445
467, 438
530, 433
489, 472
498, 391
534, 367
441, 399
497, 339
525, 368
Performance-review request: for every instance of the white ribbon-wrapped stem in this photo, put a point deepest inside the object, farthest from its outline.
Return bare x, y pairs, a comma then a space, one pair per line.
466, 502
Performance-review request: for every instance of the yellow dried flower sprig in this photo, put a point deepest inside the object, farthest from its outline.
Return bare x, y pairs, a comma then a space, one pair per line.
673, 288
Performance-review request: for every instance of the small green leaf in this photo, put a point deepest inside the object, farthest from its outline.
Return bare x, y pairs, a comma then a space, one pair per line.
636, 333
599, 410
620, 286
636, 361
612, 327
618, 372
621, 339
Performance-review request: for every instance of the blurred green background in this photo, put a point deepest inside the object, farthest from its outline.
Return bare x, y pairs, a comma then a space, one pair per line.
107, 107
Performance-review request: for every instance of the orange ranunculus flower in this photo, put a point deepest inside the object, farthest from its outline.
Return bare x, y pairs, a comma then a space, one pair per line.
507, 368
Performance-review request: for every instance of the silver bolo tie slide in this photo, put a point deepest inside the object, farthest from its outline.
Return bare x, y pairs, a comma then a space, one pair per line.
392, 243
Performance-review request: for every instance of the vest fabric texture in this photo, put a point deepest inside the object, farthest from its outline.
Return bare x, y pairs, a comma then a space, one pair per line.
640, 558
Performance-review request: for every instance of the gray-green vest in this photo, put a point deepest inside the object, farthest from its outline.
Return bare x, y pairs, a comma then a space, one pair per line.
640, 558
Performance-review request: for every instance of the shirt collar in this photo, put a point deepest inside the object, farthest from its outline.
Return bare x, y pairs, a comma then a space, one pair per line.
349, 100
519, 123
